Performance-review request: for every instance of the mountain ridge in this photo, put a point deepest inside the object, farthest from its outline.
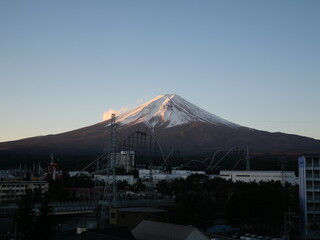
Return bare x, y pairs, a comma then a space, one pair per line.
174, 122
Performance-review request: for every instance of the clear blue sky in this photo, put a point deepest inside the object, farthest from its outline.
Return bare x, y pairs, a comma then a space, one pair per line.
64, 63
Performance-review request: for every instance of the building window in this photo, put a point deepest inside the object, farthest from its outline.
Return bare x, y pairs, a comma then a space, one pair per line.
317, 218
309, 173
309, 162
309, 184
314, 227
317, 195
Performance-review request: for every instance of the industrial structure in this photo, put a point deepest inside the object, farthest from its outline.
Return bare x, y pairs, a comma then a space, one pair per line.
309, 194
110, 186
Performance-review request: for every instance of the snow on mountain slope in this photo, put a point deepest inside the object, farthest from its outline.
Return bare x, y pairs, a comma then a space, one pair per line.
169, 110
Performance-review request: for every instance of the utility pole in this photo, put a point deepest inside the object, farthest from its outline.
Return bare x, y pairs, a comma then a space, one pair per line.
283, 165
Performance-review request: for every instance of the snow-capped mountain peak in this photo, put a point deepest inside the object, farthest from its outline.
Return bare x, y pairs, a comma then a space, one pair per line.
169, 110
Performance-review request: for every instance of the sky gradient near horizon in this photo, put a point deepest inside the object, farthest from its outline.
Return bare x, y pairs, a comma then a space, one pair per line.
63, 64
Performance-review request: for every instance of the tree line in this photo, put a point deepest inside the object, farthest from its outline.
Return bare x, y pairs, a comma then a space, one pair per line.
33, 219
254, 207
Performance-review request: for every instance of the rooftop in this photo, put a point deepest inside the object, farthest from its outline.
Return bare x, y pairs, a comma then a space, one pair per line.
158, 231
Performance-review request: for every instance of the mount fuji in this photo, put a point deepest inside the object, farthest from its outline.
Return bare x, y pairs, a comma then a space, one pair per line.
174, 122
170, 110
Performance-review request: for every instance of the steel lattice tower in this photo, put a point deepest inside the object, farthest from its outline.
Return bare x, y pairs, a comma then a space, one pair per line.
247, 160
110, 185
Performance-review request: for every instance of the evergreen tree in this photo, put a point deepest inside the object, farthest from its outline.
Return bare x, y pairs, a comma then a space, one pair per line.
43, 227
25, 215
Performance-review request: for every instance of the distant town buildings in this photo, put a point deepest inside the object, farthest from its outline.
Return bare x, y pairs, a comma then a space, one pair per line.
309, 194
14, 183
159, 175
128, 178
257, 176
234, 175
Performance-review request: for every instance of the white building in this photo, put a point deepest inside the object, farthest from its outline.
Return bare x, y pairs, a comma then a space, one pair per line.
11, 191
309, 194
78, 173
126, 160
159, 175
257, 176
129, 178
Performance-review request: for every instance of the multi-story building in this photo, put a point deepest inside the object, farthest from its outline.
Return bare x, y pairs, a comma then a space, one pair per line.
309, 194
11, 191
257, 176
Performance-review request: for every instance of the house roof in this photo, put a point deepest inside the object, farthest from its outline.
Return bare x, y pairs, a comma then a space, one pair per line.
157, 230
93, 236
311, 154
